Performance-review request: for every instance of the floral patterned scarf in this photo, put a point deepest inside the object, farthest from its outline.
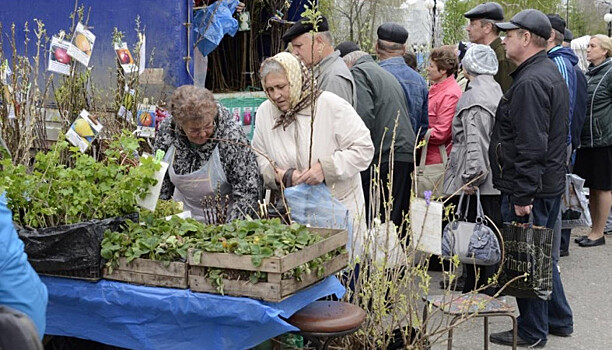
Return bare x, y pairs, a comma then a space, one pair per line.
303, 89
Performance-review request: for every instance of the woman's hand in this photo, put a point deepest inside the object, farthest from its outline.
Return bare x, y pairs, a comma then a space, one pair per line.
469, 190
312, 176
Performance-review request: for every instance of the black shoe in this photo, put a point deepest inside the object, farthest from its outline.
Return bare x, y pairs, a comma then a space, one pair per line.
505, 338
592, 243
560, 333
564, 253
608, 232
580, 239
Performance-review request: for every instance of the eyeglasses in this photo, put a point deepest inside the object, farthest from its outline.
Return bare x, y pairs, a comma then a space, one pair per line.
207, 129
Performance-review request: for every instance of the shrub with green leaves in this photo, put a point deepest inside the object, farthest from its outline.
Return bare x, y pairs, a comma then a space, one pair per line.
66, 186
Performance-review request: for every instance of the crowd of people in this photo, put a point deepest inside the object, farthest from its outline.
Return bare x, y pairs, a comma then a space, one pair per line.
508, 117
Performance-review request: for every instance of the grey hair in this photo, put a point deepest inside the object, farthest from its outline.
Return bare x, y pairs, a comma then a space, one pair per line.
390, 47
352, 57
558, 37
493, 23
270, 66
327, 37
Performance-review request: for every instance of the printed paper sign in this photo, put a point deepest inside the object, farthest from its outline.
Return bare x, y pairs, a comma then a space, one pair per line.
426, 225
84, 130
82, 45
59, 60
125, 58
146, 120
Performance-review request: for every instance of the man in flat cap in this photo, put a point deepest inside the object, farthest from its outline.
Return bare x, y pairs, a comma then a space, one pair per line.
390, 48
482, 30
380, 101
568, 36
331, 72
528, 161
566, 61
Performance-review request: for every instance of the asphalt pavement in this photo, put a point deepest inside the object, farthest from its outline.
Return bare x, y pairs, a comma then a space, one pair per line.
587, 281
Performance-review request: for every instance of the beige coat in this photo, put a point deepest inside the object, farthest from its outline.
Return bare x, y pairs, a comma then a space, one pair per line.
341, 143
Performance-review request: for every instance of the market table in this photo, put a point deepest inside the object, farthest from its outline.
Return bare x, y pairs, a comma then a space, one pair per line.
141, 317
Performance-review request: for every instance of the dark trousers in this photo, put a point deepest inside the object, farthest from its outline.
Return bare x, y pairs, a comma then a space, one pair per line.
565, 239
491, 206
538, 316
402, 184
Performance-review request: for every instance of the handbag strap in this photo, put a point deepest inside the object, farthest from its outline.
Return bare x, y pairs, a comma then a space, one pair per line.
441, 148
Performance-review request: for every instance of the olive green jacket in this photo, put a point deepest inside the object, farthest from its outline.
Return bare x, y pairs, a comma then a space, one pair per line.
506, 66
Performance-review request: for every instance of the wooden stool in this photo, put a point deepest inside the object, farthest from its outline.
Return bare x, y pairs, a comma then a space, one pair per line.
468, 304
323, 321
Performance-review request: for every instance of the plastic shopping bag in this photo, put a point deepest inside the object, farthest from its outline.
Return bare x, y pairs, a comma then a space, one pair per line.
315, 206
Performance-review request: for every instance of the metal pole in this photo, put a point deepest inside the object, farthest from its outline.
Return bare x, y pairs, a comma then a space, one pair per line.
433, 26
610, 25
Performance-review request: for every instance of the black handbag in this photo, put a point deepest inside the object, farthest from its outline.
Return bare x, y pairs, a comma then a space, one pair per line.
528, 250
472, 242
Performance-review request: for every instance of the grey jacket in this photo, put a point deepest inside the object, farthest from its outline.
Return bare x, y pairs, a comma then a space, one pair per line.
334, 76
380, 99
472, 126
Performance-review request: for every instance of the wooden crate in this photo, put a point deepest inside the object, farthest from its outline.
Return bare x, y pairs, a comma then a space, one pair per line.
275, 288
150, 273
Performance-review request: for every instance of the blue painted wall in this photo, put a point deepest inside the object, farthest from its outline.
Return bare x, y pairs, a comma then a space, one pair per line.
162, 19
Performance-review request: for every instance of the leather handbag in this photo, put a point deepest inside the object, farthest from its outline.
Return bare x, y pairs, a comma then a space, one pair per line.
472, 242
430, 177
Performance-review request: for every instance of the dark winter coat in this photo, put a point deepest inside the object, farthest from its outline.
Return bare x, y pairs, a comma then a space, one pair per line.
528, 146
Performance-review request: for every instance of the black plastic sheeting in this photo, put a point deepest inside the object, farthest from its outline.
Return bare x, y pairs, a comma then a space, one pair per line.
70, 248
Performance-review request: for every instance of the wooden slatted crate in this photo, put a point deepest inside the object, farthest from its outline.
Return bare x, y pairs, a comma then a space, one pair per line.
275, 288
150, 273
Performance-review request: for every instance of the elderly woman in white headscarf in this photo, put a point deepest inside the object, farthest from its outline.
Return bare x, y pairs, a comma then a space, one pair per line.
341, 143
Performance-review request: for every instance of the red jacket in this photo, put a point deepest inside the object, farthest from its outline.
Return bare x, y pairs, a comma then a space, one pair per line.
443, 98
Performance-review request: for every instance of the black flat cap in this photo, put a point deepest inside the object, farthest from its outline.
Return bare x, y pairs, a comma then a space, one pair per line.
392, 32
568, 36
557, 22
300, 27
488, 10
347, 47
530, 19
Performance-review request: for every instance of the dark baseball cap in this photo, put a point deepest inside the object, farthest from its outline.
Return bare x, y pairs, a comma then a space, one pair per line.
300, 27
557, 22
568, 36
530, 19
488, 10
392, 32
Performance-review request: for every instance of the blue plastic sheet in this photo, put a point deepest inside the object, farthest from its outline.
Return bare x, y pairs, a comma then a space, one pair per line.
219, 14
140, 317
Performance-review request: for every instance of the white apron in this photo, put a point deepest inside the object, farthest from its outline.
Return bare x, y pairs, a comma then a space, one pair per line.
191, 188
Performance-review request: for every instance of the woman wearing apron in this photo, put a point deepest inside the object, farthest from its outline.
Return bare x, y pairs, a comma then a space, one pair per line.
209, 157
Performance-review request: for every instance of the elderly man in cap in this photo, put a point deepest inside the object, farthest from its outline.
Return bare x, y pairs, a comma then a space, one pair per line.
566, 61
568, 36
380, 102
331, 72
390, 48
482, 30
528, 161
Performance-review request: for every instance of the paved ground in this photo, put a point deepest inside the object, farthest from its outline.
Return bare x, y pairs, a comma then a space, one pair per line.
587, 280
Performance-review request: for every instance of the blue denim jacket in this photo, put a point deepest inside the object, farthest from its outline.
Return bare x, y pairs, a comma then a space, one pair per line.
415, 89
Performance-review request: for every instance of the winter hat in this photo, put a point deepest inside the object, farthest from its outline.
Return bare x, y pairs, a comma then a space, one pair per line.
479, 60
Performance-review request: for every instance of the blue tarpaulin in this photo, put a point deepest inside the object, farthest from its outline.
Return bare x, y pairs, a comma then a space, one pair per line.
141, 317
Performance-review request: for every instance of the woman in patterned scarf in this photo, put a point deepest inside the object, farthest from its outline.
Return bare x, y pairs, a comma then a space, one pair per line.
341, 144
209, 158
